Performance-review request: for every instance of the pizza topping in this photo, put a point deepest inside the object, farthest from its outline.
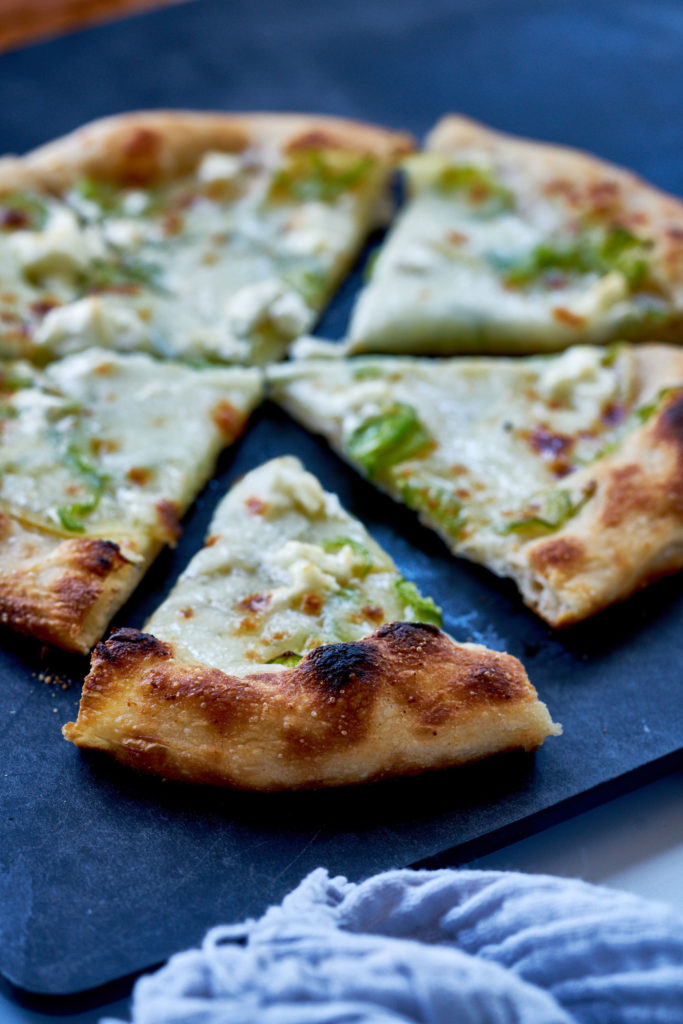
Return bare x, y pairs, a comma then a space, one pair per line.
477, 185
92, 451
417, 607
393, 436
94, 483
220, 167
61, 248
101, 321
593, 251
307, 573
320, 175
551, 512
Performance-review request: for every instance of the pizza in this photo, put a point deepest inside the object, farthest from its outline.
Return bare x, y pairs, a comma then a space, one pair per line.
292, 653
100, 455
510, 246
560, 471
189, 235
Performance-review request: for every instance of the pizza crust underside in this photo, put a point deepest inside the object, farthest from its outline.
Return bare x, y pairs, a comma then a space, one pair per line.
403, 700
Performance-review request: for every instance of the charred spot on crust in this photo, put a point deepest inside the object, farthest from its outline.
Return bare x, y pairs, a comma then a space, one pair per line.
334, 666
98, 557
407, 632
563, 553
125, 643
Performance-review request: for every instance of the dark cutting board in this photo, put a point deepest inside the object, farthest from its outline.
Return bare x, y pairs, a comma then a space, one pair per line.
102, 872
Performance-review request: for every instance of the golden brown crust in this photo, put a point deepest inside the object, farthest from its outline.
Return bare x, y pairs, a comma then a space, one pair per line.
592, 186
146, 147
630, 532
403, 700
62, 591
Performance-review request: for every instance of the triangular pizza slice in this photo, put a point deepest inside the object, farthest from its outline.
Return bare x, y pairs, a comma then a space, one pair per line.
189, 235
508, 246
562, 472
100, 455
292, 653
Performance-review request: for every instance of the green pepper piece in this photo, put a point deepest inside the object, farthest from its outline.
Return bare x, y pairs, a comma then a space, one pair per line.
385, 440
289, 659
71, 516
558, 508
316, 175
421, 609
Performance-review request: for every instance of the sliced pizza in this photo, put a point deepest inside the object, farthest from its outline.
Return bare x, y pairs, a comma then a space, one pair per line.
190, 235
564, 472
100, 455
512, 246
292, 654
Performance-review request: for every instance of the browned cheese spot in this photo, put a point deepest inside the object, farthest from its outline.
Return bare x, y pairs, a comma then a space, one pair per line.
228, 419
139, 475
256, 506
566, 317
95, 557
168, 517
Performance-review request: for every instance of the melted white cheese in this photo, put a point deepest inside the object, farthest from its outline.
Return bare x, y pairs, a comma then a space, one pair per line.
119, 427
286, 569
498, 426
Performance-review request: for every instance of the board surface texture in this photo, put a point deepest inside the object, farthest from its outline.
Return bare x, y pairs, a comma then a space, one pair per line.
103, 873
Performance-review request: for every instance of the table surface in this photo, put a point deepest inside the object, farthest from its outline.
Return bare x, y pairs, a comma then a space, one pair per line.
28, 21
633, 843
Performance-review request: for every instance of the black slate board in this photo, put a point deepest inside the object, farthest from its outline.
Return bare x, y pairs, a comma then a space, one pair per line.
103, 873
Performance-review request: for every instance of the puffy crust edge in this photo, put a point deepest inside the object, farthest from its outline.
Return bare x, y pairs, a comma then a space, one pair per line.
63, 591
144, 147
403, 700
630, 532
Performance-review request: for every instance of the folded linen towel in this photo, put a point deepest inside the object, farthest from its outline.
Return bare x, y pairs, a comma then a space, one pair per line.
438, 947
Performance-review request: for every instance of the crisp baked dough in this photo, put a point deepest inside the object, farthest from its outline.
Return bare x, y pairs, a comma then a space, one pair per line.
63, 591
403, 700
433, 288
627, 528
147, 147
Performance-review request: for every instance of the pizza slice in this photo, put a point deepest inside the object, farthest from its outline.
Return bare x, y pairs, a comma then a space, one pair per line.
292, 653
100, 455
192, 236
563, 472
514, 246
